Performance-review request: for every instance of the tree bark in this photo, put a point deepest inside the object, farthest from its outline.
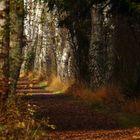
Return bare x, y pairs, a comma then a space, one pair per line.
96, 48
4, 53
16, 41
102, 50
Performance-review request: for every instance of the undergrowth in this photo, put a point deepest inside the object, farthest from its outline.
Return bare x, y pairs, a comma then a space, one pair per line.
111, 101
19, 123
57, 85
127, 120
108, 97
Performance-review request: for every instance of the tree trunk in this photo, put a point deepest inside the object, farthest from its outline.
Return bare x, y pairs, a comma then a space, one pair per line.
96, 48
80, 49
4, 53
16, 41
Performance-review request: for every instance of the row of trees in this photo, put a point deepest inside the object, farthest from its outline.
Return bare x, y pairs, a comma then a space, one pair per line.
86, 41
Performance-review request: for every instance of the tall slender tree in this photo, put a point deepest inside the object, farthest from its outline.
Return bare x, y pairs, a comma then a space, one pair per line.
16, 40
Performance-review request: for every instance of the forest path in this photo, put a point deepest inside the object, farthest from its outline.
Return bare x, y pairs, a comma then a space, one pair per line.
74, 120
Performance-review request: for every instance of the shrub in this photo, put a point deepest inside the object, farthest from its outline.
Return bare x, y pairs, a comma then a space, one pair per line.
19, 123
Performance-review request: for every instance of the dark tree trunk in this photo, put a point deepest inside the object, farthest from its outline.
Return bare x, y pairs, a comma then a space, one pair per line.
4, 53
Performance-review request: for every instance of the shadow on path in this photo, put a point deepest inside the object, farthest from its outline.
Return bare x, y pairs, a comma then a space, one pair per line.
68, 113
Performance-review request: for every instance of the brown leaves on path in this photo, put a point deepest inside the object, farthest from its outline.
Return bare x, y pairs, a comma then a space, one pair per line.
74, 120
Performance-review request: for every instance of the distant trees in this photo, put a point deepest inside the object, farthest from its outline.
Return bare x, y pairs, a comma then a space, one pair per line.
96, 28
48, 49
85, 40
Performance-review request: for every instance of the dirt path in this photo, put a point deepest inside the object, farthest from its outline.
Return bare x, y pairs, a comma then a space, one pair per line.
75, 121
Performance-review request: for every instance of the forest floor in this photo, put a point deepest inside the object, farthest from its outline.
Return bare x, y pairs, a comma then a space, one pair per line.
74, 120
